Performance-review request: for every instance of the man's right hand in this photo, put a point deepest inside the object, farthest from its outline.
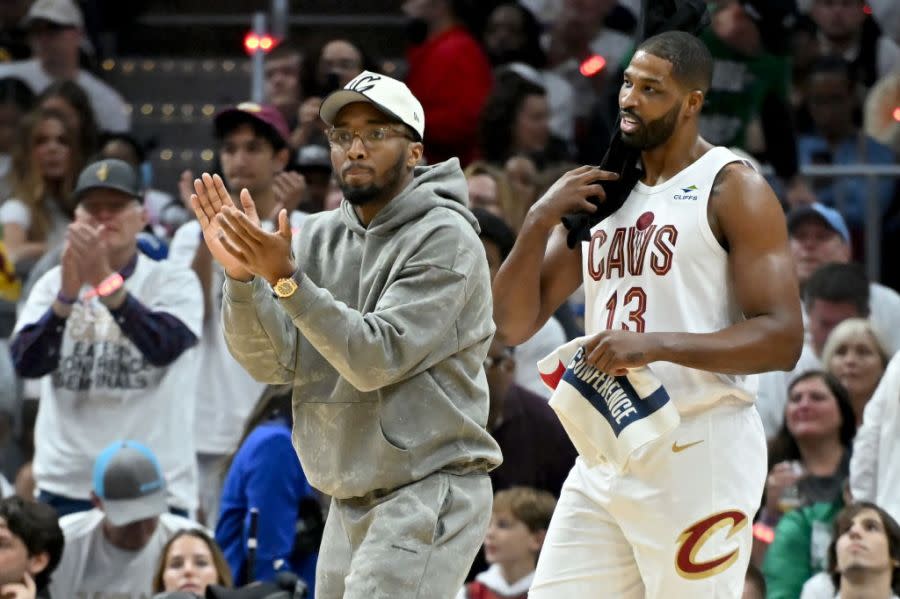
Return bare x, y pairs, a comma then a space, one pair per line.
569, 195
72, 279
19, 590
207, 202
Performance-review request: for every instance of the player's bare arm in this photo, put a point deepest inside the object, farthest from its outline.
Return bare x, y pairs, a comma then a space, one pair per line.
749, 222
541, 271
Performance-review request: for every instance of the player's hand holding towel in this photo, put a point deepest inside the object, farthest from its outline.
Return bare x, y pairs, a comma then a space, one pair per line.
606, 417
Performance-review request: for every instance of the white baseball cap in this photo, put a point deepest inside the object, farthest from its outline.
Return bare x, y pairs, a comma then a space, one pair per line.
388, 95
61, 12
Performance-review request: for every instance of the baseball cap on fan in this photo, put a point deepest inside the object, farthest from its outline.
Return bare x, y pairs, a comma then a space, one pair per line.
829, 217
60, 12
109, 173
388, 95
129, 481
266, 114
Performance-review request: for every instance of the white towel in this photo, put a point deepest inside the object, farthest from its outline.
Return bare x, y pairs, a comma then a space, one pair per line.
606, 417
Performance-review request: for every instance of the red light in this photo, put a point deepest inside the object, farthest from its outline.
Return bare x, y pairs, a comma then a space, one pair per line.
592, 65
897, 114
867, 9
254, 43
251, 43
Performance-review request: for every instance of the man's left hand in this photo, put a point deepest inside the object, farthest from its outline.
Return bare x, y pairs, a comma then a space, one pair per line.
267, 255
93, 252
615, 352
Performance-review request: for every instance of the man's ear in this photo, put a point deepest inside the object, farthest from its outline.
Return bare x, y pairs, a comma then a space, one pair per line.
38, 562
282, 157
694, 102
414, 153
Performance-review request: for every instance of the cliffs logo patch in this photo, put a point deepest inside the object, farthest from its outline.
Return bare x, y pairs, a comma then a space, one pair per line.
687, 193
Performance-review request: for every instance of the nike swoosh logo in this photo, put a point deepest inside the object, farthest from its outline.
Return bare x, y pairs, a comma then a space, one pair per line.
676, 448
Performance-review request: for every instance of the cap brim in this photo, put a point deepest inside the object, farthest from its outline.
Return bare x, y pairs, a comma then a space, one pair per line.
120, 512
232, 115
804, 214
335, 101
79, 193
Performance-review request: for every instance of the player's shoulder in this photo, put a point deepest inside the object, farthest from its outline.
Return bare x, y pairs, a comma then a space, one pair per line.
739, 182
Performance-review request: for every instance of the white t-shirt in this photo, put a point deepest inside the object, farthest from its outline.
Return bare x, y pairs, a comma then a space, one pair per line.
528, 354
15, 211
104, 389
228, 393
884, 305
109, 107
93, 568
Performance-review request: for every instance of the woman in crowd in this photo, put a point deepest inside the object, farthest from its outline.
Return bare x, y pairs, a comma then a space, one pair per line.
516, 120
855, 354
264, 474
489, 189
809, 458
16, 99
68, 98
45, 165
190, 562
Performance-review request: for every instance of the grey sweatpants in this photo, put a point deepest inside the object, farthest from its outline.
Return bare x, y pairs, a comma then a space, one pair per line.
417, 542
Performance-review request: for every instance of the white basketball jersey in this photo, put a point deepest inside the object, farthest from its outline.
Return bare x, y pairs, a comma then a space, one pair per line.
655, 266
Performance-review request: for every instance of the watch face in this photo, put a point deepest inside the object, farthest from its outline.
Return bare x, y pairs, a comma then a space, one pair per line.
285, 287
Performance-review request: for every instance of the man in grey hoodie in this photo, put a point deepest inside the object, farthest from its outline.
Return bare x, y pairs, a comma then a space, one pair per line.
382, 322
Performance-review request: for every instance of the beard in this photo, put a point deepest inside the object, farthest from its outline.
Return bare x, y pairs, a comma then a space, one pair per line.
655, 133
360, 196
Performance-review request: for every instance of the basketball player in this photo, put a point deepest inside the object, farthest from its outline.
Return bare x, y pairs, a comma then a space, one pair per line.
382, 322
693, 277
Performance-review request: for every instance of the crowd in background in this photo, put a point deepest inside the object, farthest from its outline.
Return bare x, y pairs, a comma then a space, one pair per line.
100, 391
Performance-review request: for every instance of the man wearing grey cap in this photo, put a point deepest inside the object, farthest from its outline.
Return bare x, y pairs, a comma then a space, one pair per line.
55, 32
382, 322
113, 550
109, 331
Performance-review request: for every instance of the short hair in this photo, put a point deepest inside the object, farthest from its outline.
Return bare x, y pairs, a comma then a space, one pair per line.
842, 524
839, 282
139, 149
494, 229
833, 65
783, 446
284, 50
37, 525
14, 91
223, 571
853, 327
692, 63
532, 507
756, 578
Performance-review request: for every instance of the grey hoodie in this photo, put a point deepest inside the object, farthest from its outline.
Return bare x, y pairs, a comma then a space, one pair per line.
384, 341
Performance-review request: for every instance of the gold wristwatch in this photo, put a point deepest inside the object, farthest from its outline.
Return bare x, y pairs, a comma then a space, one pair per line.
285, 287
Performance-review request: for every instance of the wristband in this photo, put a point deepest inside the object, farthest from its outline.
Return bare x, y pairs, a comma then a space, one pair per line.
107, 286
65, 300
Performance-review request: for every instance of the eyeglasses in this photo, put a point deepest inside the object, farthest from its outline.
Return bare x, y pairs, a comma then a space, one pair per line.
371, 138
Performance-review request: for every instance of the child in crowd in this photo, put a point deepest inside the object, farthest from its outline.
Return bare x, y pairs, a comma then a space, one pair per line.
519, 521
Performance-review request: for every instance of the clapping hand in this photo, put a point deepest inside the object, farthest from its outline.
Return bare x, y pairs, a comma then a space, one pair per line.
235, 238
19, 590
